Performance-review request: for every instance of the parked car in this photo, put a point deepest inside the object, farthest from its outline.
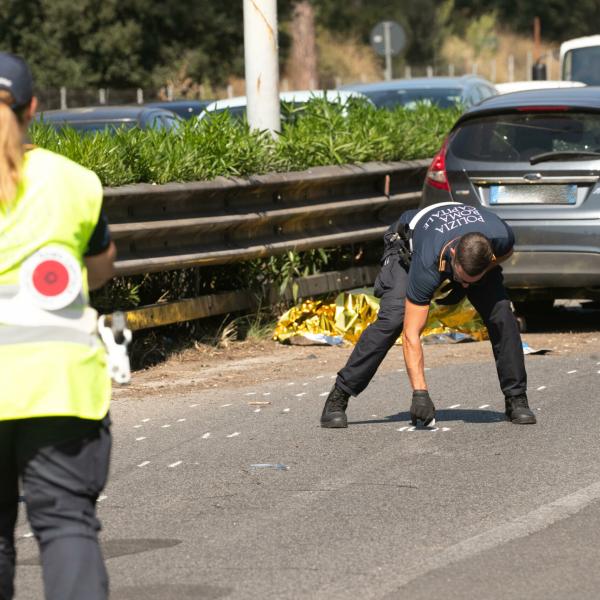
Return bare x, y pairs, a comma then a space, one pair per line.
534, 159
100, 118
185, 109
444, 92
295, 101
540, 84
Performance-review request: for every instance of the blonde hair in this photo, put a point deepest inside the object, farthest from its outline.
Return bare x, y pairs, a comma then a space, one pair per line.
11, 148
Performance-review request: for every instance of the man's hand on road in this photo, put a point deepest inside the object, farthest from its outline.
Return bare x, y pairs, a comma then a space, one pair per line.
422, 408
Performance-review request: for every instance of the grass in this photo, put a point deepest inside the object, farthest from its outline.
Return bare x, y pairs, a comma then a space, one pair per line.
322, 134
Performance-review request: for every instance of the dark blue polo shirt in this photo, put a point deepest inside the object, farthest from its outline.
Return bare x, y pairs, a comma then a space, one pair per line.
437, 230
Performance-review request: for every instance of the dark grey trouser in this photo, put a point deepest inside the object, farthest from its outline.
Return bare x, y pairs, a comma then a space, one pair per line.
62, 463
489, 298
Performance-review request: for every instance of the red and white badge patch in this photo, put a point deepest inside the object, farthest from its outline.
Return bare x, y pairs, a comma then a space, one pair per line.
51, 278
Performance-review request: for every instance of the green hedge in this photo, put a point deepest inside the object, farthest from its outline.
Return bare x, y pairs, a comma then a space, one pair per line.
321, 134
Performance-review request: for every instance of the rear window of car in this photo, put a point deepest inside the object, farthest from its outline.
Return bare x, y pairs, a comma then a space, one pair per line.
518, 137
444, 98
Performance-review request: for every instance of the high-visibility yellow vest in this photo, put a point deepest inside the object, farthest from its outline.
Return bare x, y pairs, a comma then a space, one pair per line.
51, 362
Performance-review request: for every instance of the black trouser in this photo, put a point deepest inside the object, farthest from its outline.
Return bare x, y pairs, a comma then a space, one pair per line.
62, 463
489, 298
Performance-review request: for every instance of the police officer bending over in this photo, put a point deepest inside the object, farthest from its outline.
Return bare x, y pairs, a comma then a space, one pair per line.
447, 241
54, 428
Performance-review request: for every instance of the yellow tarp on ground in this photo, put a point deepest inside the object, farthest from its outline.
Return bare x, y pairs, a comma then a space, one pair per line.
353, 311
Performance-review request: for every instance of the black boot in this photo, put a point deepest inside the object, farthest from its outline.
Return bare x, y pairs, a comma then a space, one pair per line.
334, 411
518, 411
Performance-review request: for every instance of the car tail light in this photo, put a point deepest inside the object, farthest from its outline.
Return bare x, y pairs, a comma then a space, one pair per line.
436, 174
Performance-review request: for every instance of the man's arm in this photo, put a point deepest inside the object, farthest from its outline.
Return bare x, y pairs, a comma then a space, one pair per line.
415, 320
100, 267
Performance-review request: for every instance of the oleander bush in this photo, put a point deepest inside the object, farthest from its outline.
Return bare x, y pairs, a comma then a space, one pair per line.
320, 134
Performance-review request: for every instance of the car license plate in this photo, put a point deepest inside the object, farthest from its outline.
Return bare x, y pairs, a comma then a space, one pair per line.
533, 194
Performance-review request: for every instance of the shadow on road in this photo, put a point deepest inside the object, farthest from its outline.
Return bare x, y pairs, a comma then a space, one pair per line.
441, 416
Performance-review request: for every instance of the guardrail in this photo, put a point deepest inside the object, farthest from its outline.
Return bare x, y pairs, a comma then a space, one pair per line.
180, 225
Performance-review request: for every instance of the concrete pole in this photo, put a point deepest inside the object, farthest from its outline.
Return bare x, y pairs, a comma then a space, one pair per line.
261, 52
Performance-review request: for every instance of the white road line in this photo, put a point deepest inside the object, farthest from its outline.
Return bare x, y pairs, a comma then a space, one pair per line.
484, 406
175, 464
571, 372
454, 406
542, 387
140, 439
206, 436
537, 520
234, 434
143, 464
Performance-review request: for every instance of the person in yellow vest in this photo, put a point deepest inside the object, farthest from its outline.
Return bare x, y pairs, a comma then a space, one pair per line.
55, 389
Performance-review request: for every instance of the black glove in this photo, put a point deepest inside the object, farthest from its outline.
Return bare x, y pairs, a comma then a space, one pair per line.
422, 408
454, 294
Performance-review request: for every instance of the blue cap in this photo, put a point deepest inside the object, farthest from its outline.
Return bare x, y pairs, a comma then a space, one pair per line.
15, 77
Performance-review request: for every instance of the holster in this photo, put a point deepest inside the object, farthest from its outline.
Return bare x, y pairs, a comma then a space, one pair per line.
397, 243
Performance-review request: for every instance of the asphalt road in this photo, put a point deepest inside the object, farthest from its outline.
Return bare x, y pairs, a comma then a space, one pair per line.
476, 508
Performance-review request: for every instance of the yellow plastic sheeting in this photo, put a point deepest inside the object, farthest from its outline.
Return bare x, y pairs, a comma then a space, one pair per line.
354, 311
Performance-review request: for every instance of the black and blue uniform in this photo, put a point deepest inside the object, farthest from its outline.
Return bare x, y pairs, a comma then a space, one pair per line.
430, 235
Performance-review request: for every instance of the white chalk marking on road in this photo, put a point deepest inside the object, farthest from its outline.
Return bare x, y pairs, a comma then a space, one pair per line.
484, 406
180, 420
542, 387
454, 406
374, 415
305, 383
300, 394
206, 436
226, 405
143, 464
266, 393
145, 420
250, 393
291, 383
537, 520
257, 410
175, 464
286, 410
166, 425
427, 369
400, 370
445, 428
136, 426
101, 498
332, 376
324, 394
321, 376
402, 429
411, 429
234, 434
194, 405
27, 535
140, 439
435, 429
571, 372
